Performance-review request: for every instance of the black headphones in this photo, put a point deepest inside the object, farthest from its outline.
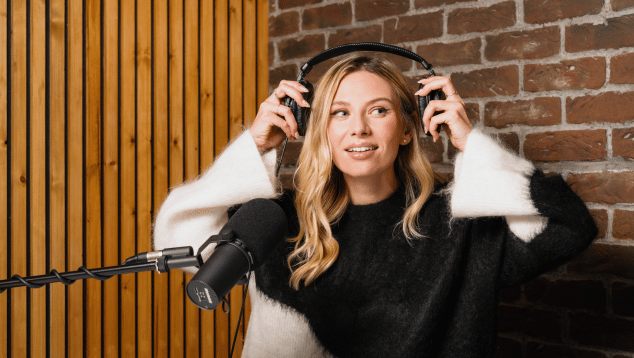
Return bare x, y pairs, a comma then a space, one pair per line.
302, 114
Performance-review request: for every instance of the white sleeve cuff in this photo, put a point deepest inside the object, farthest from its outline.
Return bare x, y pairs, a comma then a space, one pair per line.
490, 181
196, 210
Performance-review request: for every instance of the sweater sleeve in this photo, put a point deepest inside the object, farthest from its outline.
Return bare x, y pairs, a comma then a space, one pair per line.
546, 222
197, 209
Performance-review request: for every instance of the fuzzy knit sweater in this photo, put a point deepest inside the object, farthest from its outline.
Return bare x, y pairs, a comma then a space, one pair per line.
501, 222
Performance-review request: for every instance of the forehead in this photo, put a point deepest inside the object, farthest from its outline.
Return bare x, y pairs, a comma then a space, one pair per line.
363, 86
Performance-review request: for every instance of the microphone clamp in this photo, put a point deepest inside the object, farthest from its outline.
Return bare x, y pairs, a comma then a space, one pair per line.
226, 236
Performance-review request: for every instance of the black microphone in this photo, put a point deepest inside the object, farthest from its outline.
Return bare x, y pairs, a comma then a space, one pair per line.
246, 240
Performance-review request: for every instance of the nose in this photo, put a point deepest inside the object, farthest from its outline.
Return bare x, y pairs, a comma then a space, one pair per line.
359, 125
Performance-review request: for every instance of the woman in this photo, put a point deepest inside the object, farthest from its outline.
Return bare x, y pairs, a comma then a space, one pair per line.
377, 263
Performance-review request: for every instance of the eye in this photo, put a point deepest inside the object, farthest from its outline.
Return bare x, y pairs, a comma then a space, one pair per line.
379, 111
339, 113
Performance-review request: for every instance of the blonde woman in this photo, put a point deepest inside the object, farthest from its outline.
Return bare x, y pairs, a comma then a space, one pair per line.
380, 263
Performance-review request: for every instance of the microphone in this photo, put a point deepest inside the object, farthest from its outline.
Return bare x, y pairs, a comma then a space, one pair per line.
246, 240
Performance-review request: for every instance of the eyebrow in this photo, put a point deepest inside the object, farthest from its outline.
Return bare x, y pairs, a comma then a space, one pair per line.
344, 103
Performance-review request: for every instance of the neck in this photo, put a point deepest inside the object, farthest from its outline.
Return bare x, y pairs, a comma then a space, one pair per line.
370, 190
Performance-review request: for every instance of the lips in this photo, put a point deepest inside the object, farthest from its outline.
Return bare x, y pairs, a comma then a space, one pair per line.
361, 149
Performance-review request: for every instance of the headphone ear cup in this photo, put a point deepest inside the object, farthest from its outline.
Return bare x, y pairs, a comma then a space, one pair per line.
424, 101
300, 113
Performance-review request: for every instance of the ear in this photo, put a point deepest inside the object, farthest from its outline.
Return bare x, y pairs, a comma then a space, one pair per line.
406, 137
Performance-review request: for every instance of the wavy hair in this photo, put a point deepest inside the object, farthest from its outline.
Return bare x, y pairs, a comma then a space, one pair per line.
321, 193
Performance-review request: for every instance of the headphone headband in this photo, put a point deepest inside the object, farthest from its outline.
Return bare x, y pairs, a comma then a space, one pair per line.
362, 46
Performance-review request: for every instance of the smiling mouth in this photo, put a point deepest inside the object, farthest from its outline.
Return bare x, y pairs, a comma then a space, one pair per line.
361, 149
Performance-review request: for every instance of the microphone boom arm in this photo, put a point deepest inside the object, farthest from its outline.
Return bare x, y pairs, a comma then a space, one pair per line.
161, 261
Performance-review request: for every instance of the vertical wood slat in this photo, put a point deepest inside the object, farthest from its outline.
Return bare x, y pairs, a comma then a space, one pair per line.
110, 180
18, 177
160, 168
57, 176
144, 172
75, 184
191, 138
109, 104
93, 237
37, 170
127, 211
176, 97
4, 180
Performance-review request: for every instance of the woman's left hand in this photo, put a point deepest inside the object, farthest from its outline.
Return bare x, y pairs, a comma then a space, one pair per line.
452, 111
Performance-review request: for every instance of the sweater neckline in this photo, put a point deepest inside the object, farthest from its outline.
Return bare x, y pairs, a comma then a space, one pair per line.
377, 210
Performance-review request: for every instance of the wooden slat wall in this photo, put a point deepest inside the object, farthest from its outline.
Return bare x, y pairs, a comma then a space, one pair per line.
105, 105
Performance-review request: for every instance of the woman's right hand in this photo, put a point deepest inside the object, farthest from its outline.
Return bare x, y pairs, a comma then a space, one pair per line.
274, 120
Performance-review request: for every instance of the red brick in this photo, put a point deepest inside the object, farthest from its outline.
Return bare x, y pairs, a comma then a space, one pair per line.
490, 82
532, 322
567, 74
451, 54
616, 33
566, 145
307, 46
622, 299
571, 294
422, 4
597, 330
403, 63
611, 107
284, 24
498, 16
288, 72
473, 111
370, 33
601, 219
623, 225
373, 9
604, 259
287, 4
532, 44
623, 143
622, 4
542, 11
327, 16
271, 54
510, 140
622, 68
291, 155
545, 350
413, 28
604, 188
544, 111
433, 151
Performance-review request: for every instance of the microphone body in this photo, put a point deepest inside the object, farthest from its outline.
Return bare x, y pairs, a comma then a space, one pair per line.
246, 241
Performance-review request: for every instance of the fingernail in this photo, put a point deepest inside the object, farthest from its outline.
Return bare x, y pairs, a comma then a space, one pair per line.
304, 89
305, 103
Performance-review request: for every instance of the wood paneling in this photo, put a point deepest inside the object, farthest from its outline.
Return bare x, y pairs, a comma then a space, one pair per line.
103, 107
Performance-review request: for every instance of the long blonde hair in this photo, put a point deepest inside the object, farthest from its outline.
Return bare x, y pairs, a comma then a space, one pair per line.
321, 193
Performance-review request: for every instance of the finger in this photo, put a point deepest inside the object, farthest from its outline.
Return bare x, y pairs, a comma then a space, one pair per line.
289, 118
436, 83
281, 111
293, 90
279, 122
433, 107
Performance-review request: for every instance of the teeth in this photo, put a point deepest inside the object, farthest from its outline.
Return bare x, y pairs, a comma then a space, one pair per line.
361, 149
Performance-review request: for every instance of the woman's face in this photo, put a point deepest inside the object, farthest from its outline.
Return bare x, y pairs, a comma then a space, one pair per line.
365, 128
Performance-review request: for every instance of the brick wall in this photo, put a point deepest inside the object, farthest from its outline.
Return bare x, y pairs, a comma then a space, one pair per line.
554, 80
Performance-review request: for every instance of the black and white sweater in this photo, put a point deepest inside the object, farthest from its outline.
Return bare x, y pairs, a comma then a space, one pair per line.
501, 222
